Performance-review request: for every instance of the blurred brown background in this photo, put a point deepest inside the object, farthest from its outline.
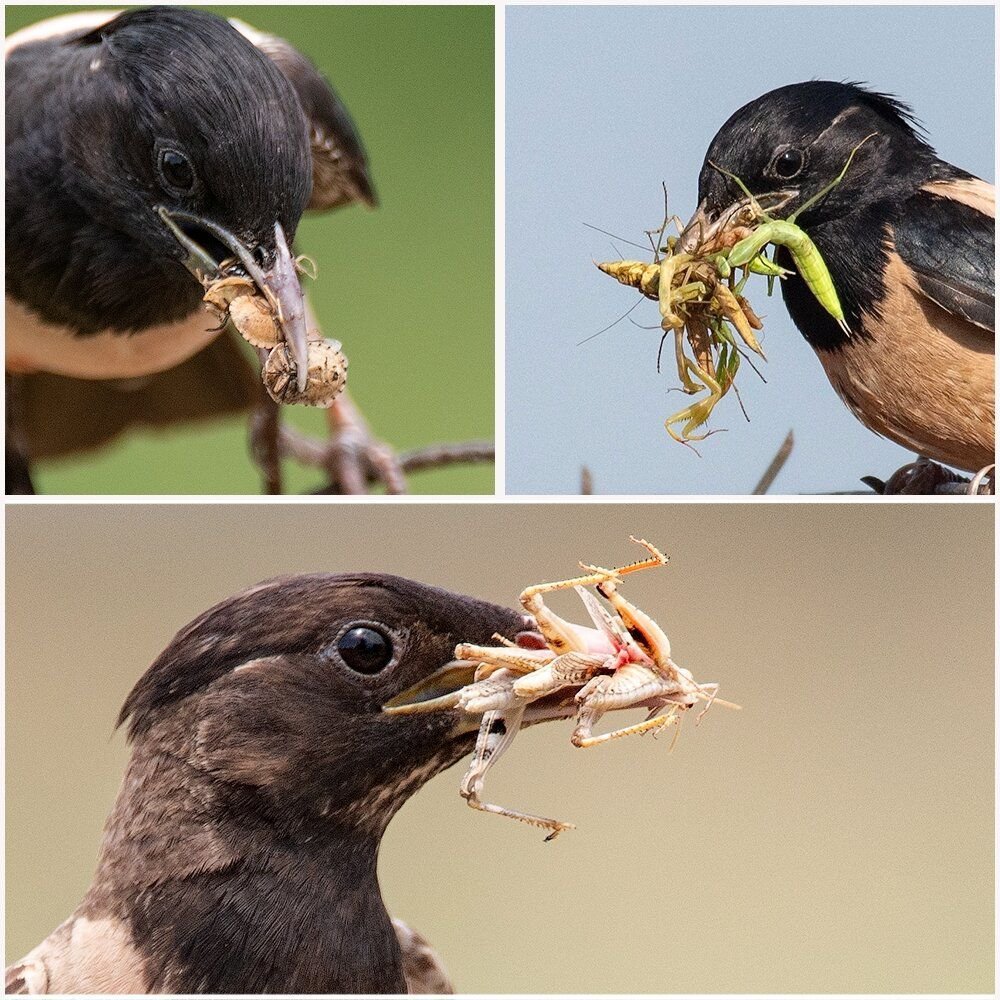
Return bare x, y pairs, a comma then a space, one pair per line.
835, 835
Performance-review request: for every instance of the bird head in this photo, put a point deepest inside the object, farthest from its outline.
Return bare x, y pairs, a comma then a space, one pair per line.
273, 699
790, 144
189, 147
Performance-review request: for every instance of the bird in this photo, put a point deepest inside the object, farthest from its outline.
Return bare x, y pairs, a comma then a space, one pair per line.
144, 149
909, 243
240, 854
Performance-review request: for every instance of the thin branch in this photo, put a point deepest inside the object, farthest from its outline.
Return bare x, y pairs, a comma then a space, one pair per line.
436, 456
317, 453
776, 465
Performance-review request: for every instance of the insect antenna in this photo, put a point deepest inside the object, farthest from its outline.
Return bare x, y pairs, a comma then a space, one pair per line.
825, 191
610, 325
739, 183
749, 360
739, 399
614, 237
659, 350
663, 228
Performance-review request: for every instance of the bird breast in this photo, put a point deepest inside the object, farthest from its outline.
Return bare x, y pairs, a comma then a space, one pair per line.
932, 393
36, 346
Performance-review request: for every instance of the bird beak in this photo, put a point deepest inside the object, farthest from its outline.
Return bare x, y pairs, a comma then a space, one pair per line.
440, 691
277, 279
708, 221
437, 692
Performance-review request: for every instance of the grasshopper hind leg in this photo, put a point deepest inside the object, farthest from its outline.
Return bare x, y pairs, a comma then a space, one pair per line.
496, 734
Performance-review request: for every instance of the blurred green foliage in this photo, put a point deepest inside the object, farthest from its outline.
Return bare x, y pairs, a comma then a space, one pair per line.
408, 288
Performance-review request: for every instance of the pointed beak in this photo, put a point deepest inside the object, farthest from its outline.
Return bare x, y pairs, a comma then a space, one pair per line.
204, 240
438, 692
441, 691
708, 220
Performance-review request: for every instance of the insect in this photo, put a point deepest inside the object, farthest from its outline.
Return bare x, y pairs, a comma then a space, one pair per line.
238, 300
624, 662
784, 232
326, 380
702, 307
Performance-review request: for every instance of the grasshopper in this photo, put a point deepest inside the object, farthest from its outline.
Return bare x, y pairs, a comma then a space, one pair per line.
625, 663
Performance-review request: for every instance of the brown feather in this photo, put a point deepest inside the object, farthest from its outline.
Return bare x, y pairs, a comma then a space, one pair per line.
971, 191
63, 416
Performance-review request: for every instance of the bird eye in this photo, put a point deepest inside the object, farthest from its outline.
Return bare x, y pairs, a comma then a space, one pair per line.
789, 163
364, 649
176, 171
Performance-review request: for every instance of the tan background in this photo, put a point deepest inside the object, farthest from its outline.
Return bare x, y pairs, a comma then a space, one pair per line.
837, 835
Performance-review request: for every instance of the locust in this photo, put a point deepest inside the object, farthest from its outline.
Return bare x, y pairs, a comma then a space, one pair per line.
623, 662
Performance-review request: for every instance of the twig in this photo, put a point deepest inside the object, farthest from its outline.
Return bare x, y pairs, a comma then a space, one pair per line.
316, 453
777, 464
436, 456
265, 430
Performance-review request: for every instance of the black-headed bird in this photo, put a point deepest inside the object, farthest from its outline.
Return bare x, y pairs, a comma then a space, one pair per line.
143, 149
240, 855
909, 243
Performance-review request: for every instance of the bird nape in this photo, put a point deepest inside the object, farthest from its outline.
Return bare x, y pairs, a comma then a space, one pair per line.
240, 855
909, 242
143, 151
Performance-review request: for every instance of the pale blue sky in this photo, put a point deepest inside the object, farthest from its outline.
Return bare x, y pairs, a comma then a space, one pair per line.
604, 103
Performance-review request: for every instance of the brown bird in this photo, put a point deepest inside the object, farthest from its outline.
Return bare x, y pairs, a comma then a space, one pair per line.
143, 150
909, 242
240, 855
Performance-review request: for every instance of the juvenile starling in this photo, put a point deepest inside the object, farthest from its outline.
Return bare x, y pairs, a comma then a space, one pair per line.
240, 856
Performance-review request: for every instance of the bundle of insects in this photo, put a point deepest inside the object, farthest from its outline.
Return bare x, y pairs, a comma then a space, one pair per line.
623, 662
702, 307
237, 300
700, 293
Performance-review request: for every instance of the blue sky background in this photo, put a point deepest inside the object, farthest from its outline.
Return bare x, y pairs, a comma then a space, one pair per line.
605, 103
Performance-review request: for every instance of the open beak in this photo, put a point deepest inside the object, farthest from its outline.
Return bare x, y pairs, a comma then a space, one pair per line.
708, 221
441, 690
207, 244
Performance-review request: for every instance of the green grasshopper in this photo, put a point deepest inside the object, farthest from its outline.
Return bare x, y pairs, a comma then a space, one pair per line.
784, 232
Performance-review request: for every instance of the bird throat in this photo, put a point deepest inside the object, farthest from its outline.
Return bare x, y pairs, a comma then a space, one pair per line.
294, 920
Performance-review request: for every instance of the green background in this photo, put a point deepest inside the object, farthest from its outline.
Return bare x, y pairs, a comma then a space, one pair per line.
408, 288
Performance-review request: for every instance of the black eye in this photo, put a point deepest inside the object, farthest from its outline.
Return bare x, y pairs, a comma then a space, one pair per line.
364, 650
176, 170
789, 163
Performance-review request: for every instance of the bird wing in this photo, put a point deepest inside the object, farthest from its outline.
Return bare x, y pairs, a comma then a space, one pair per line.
422, 966
26, 977
340, 164
946, 237
82, 955
63, 415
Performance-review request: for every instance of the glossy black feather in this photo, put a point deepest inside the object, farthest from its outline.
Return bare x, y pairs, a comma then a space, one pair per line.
85, 116
949, 246
878, 204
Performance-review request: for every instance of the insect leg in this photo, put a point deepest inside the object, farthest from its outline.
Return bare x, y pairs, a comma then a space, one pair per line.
496, 734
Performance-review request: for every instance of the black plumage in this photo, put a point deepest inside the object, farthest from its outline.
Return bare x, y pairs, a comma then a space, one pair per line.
909, 242
141, 152
240, 855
